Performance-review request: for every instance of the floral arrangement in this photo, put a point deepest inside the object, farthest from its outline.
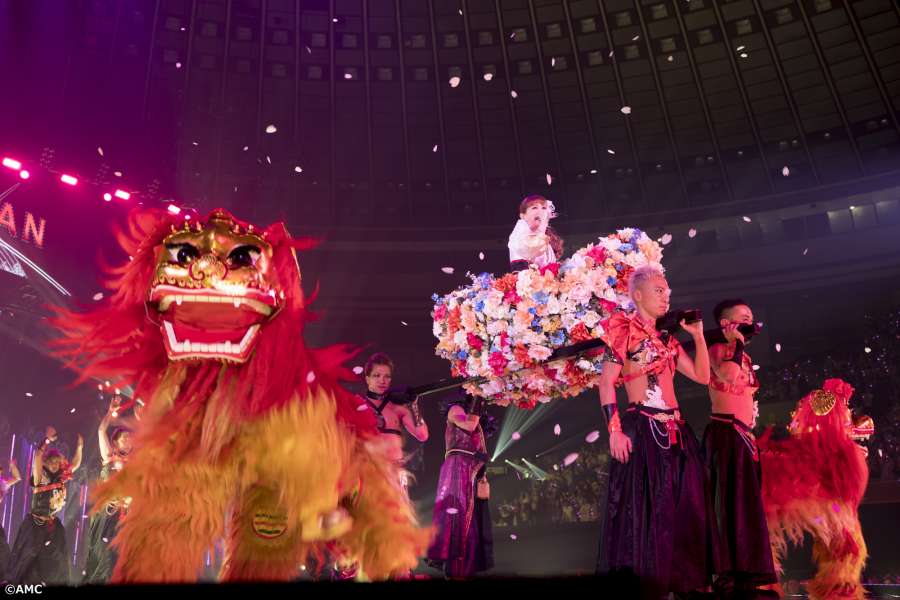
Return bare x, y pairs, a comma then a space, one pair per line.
503, 328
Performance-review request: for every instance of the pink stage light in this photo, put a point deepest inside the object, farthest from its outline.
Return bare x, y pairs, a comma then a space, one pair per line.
122, 195
107, 196
24, 174
174, 209
68, 179
12, 164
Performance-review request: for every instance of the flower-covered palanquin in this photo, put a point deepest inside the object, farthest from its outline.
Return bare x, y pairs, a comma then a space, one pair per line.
504, 328
242, 420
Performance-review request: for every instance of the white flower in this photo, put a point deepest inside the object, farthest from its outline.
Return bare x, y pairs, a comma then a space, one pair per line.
610, 294
626, 234
584, 365
590, 318
460, 339
436, 329
542, 398
576, 261
553, 305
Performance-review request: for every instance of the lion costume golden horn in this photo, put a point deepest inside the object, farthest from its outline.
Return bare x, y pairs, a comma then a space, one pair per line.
241, 418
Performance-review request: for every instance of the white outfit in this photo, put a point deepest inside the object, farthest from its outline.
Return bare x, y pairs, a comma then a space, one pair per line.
525, 244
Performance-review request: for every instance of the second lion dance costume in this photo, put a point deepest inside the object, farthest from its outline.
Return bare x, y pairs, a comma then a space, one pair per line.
241, 418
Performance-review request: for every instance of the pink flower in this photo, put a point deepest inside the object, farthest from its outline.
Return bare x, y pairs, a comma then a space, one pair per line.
469, 322
497, 363
539, 353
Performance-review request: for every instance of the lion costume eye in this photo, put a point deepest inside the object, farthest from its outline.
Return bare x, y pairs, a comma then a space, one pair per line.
182, 253
244, 256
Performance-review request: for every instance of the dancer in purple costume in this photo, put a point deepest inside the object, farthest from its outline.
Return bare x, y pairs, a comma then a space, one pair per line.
463, 544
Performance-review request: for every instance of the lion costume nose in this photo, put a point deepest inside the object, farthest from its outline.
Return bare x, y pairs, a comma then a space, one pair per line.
208, 270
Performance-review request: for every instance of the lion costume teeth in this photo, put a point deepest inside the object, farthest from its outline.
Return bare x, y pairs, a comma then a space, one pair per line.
206, 324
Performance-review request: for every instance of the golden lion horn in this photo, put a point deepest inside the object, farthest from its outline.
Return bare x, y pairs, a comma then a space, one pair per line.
822, 402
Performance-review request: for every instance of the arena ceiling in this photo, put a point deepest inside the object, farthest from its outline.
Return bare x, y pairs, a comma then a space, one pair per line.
437, 113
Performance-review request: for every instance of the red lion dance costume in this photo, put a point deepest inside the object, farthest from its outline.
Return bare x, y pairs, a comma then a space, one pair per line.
241, 418
814, 482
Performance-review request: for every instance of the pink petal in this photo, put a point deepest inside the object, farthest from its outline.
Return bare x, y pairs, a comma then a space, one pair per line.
805, 251
570, 459
756, 367
452, 511
549, 179
671, 59
743, 56
98, 296
348, 76
880, 453
692, 233
177, 65
434, 149
666, 239
308, 50
836, 508
514, 94
556, 429
610, 151
357, 370
626, 110
777, 347
634, 39
516, 435
512, 536
819, 520
100, 150
481, 256
513, 33
488, 76
785, 171
552, 62
739, 48
246, 148
310, 377
454, 81
867, 349
610, 53
593, 437
747, 219
404, 322
448, 270
272, 129
362, 407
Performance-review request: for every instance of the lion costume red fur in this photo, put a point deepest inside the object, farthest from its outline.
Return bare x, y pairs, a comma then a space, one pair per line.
242, 422
814, 482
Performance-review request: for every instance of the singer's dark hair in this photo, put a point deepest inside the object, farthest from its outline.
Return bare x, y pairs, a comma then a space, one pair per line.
724, 305
556, 242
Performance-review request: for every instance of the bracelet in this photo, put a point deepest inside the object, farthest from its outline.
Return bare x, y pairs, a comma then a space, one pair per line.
43, 446
477, 403
611, 411
738, 357
416, 415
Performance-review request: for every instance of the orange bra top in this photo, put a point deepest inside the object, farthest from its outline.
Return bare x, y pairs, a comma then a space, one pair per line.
732, 388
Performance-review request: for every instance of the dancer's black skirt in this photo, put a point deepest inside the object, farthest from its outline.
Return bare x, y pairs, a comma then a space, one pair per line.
735, 479
658, 521
101, 557
40, 553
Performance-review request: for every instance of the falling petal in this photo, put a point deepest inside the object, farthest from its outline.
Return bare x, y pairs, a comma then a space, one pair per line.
434, 149
549, 179
739, 48
743, 56
835, 507
447, 270
100, 150
593, 437
805, 251
269, 159
552, 62
452, 511
460, 12
196, 144
271, 129
777, 347
348, 76
747, 219
310, 377
626, 110
481, 256
47, 544
298, 169
819, 520
666, 239
362, 407
177, 65
404, 322
514, 94
357, 370
556, 429
73, 410
610, 151
634, 39
28, 394
308, 50
454, 81
610, 54
879, 452
512, 536
105, 540
785, 171
868, 350
756, 367
117, 174
98, 296
671, 59
516, 435
513, 33
692, 233
570, 459
246, 148
488, 76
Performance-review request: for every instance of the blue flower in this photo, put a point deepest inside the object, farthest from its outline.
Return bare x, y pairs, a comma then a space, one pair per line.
434, 297
479, 306
599, 367
580, 313
532, 310
540, 297
618, 266
535, 321
637, 233
558, 337
611, 281
494, 349
626, 247
461, 355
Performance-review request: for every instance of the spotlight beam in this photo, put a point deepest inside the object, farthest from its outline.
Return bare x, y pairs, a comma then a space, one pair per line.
537, 471
35, 267
522, 421
570, 440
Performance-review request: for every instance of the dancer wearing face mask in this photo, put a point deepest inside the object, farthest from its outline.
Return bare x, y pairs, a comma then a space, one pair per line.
533, 241
40, 554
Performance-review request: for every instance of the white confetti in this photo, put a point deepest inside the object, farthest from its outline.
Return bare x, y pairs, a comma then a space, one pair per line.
556, 429
777, 347
246, 148
177, 65
743, 56
512, 536
634, 39
105, 540
460, 12
592, 437
310, 377
73, 410
666, 239
481, 256
448, 270
454, 81
516, 435
196, 144
514, 94
570, 459
434, 149
756, 367
552, 62
785, 171
298, 169
488, 76
404, 322
361, 407
868, 350
47, 544
269, 159
100, 150
805, 251
308, 50
349, 76
671, 59
98, 296
626, 110
117, 174
549, 179
739, 48
610, 151
692, 233
357, 370
28, 394
271, 129
747, 219
880, 453
452, 511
